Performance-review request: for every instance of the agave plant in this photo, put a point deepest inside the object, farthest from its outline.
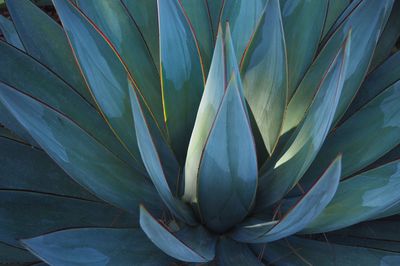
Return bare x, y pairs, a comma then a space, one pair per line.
223, 132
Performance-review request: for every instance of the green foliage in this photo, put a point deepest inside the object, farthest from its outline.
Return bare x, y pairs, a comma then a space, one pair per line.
164, 132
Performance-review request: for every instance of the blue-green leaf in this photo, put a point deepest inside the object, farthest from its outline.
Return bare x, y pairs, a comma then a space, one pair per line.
301, 45
152, 161
230, 252
103, 71
311, 204
45, 40
364, 38
215, 8
366, 136
298, 251
24, 167
360, 198
97, 246
199, 17
182, 76
9, 32
243, 17
227, 178
264, 73
10, 254
113, 20
28, 214
388, 38
335, 9
209, 105
81, 156
306, 141
189, 244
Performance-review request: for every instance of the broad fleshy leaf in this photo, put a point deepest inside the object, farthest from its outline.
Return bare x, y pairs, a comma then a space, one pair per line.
306, 141
360, 198
182, 74
311, 204
264, 73
187, 244
80, 155
114, 21
152, 161
301, 45
28, 214
230, 252
298, 251
208, 108
105, 74
366, 136
364, 38
227, 179
45, 40
97, 246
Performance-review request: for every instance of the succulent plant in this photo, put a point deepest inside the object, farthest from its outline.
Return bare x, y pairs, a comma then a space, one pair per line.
221, 132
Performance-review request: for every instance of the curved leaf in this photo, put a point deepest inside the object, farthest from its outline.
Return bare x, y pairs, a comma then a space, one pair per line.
301, 45
153, 164
230, 252
364, 38
103, 71
9, 32
182, 76
335, 9
113, 20
80, 155
28, 214
311, 204
96, 246
298, 251
362, 197
190, 244
35, 28
357, 138
264, 72
227, 179
306, 141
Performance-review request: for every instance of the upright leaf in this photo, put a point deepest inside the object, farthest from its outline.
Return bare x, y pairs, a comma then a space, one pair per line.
301, 45
97, 246
190, 244
215, 9
228, 170
264, 73
335, 9
303, 147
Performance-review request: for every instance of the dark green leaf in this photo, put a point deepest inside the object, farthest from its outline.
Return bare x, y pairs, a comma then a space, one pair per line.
335, 9
230, 252
10, 255
215, 9
190, 245
97, 246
